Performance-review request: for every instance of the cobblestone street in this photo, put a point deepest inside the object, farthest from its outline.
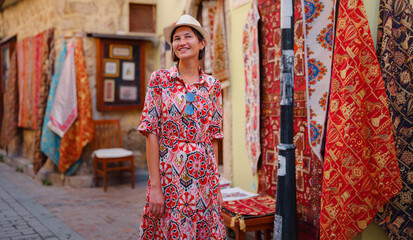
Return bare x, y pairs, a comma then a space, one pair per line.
29, 210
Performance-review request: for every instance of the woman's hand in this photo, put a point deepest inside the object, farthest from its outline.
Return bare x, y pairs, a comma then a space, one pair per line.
156, 198
156, 202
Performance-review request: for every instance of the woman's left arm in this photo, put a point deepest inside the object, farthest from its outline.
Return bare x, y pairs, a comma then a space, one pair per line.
215, 146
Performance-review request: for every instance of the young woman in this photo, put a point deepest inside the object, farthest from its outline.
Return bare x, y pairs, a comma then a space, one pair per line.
182, 120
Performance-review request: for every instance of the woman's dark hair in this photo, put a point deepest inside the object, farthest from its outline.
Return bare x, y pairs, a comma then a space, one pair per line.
200, 38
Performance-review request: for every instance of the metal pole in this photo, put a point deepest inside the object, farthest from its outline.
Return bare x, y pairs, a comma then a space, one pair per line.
286, 205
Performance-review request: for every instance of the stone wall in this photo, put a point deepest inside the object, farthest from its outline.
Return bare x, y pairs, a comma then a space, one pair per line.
75, 18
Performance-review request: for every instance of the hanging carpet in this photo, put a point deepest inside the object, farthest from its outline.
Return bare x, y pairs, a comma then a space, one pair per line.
395, 54
65, 106
308, 167
30, 56
9, 123
252, 86
209, 9
319, 23
270, 34
220, 64
47, 72
361, 171
81, 132
50, 144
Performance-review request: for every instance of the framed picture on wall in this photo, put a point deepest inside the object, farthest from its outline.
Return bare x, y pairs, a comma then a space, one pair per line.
120, 65
109, 90
120, 51
128, 71
128, 93
111, 67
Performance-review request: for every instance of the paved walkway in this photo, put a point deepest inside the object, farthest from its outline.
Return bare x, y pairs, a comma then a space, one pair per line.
29, 210
21, 217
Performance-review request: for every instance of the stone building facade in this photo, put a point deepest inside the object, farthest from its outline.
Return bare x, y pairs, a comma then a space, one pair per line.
74, 18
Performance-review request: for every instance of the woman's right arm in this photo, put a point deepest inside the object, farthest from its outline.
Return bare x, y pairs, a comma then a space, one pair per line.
156, 198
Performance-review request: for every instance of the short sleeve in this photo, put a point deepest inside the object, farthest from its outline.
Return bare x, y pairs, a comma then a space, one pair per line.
151, 114
215, 127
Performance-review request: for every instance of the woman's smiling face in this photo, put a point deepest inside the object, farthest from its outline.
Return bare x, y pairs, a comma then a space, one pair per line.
186, 44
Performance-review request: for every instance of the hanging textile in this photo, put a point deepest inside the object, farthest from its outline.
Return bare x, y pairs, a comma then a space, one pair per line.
82, 130
30, 53
361, 172
64, 110
395, 49
270, 33
9, 123
47, 72
50, 144
252, 86
220, 65
209, 9
308, 167
255, 206
319, 17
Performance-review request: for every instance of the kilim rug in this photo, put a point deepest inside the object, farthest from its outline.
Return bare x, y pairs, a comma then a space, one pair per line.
319, 23
220, 65
395, 54
9, 123
50, 144
256, 206
252, 86
308, 167
46, 76
64, 109
361, 171
209, 9
270, 34
30, 53
82, 131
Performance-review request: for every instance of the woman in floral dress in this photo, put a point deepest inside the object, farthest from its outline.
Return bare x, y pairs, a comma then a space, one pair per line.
182, 120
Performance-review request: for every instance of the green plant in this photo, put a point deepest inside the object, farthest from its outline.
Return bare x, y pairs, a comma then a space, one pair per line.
19, 169
1, 158
46, 182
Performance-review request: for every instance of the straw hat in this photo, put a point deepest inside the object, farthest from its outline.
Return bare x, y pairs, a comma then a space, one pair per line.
185, 20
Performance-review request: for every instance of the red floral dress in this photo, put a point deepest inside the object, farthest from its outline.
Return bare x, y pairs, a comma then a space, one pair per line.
188, 169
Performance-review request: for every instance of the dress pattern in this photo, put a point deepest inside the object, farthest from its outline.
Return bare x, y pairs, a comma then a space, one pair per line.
395, 53
361, 173
188, 168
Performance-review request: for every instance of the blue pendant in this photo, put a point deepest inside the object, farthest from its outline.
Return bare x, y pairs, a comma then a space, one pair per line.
189, 109
190, 97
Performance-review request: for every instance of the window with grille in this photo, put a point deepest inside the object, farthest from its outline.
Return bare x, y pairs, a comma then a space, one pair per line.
142, 18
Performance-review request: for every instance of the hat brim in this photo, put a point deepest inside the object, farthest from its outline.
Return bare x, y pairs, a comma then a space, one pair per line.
167, 32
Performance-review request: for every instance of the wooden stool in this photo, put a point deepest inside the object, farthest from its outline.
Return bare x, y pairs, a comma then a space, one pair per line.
257, 224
